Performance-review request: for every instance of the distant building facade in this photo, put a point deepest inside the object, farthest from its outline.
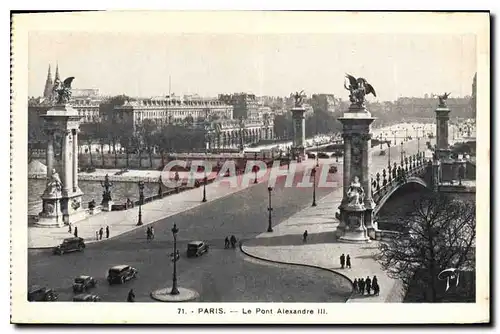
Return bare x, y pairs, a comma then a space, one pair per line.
170, 111
244, 104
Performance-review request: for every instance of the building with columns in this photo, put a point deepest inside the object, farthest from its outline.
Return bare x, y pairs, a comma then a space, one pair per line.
170, 111
223, 134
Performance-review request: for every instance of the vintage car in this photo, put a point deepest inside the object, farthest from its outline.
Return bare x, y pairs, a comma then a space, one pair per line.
83, 283
70, 245
120, 274
196, 248
85, 297
41, 294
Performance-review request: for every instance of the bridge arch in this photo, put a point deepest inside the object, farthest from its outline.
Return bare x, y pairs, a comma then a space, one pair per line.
412, 180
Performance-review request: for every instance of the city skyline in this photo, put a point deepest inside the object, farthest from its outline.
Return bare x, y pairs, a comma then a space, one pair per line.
207, 65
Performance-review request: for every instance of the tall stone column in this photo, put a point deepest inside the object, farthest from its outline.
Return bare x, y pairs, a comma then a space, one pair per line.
366, 158
50, 154
67, 166
442, 118
347, 159
357, 203
299, 131
75, 160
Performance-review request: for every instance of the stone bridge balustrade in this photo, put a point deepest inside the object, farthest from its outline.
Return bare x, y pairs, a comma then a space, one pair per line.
413, 169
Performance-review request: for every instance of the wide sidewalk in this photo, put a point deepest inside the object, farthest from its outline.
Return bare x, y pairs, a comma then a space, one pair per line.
121, 222
285, 244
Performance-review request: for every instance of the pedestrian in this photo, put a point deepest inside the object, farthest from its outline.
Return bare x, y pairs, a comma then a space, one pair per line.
101, 231
152, 232
96, 235
233, 241
148, 233
131, 296
342, 261
348, 262
107, 232
69, 228
304, 236
355, 286
76, 232
375, 286
361, 283
226, 242
368, 283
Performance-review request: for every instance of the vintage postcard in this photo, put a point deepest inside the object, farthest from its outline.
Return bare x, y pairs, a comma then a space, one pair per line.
250, 168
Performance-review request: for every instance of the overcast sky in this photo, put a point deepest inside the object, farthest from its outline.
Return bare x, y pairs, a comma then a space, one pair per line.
140, 65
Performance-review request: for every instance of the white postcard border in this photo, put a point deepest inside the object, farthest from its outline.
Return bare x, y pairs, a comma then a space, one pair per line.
254, 23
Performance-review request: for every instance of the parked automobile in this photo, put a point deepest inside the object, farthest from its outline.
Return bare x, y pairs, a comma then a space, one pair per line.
120, 274
196, 248
83, 283
85, 297
70, 245
333, 169
41, 294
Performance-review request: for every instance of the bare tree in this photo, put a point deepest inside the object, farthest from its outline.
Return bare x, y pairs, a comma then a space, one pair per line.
439, 233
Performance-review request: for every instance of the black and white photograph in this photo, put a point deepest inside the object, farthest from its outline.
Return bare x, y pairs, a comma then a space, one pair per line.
258, 167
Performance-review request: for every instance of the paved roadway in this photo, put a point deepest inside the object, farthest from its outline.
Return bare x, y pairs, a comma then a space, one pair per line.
221, 275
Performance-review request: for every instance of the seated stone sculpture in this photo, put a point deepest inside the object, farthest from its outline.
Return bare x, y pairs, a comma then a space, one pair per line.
355, 193
54, 185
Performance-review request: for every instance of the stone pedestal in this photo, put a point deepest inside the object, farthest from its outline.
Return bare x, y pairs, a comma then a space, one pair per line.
354, 230
62, 199
436, 175
356, 222
106, 206
52, 214
299, 132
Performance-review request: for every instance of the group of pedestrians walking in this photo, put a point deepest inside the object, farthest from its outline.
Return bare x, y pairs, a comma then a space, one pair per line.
345, 262
361, 285
230, 242
100, 233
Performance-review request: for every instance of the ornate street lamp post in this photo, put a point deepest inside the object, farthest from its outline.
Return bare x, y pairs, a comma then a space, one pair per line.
270, 208
389, 155
204, 188
174, 290
402, 153
313, 172
317, 154
141, 201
